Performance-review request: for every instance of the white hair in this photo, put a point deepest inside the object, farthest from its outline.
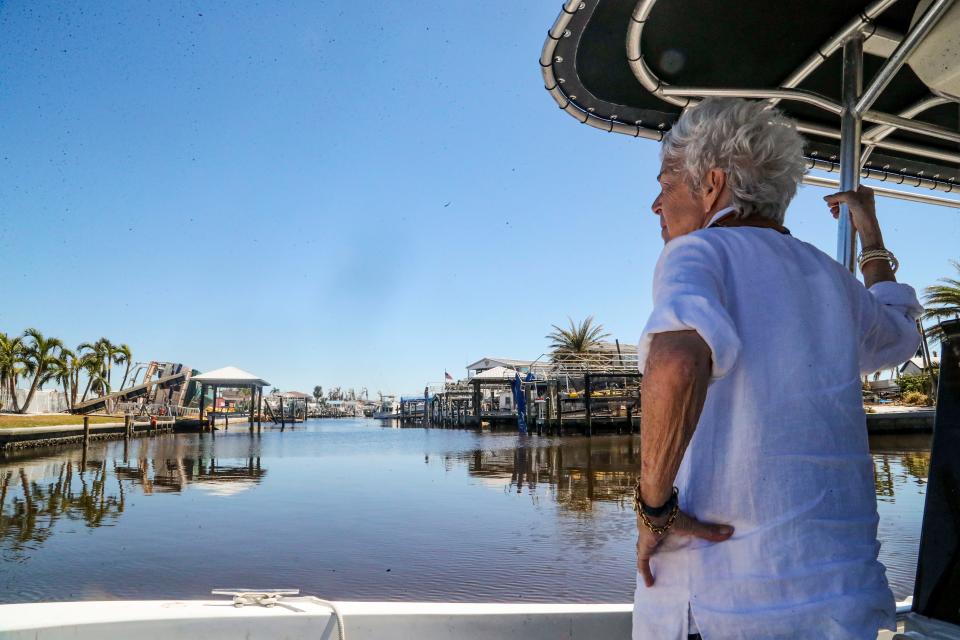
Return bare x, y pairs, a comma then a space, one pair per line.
757, 147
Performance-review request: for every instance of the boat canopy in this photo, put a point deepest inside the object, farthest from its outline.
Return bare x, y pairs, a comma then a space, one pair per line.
631, 68
231, 376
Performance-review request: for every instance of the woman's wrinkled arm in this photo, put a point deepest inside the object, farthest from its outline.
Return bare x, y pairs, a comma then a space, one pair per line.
863, 214
674, 390
888, 310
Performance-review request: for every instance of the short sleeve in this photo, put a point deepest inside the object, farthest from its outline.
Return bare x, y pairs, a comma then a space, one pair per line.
888, 325
688, 295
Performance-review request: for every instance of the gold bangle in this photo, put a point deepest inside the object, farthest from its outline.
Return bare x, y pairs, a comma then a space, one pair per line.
870, 255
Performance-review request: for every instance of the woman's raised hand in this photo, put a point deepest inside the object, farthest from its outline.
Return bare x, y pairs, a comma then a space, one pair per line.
863, 213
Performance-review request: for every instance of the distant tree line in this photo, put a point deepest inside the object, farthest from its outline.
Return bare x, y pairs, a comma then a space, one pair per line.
337, 393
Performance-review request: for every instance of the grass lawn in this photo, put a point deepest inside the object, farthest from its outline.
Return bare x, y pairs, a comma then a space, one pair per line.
11, 420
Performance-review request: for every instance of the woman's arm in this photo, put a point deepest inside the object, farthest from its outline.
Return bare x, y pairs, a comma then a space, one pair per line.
863, 215
887, 310
674, 390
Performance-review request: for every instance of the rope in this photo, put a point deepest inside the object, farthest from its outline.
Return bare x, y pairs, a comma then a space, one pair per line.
272, 598
341, 628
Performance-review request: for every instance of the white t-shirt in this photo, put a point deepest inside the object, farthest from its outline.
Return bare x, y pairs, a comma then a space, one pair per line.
781, 450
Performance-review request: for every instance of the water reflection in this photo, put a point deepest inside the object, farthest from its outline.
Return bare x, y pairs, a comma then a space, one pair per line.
490, 511
578, 471
582, 471
899, 459
79, 493
91, 486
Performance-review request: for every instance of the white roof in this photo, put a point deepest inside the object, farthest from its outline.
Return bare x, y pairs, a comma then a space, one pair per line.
918, 362
488, 362
228, 376
497, 373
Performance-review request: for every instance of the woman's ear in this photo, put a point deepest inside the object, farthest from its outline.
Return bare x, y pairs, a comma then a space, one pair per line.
713, 186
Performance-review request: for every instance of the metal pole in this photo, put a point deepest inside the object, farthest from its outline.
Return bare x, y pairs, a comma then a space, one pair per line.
849, 146
897, 59
817, 181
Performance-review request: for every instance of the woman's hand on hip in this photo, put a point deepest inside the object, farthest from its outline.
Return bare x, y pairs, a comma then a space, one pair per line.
684, 525
863, 213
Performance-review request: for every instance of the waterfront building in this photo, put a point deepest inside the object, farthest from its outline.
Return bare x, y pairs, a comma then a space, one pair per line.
488, 363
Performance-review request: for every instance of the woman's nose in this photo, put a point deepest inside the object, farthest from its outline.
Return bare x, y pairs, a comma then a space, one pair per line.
655, 207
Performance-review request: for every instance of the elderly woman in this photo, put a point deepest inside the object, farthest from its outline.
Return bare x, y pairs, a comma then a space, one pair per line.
756, 509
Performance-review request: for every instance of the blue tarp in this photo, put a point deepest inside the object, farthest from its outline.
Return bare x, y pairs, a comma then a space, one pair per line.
520, 401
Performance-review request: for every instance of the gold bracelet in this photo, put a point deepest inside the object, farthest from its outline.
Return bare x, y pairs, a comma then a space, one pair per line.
656, 529
645, 519
870, 255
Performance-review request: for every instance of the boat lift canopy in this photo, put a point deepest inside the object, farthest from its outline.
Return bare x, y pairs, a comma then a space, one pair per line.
873, 87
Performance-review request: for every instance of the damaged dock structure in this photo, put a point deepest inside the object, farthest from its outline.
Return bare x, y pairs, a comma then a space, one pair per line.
596, 392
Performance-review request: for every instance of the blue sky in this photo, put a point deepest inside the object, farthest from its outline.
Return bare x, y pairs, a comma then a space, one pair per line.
335, 193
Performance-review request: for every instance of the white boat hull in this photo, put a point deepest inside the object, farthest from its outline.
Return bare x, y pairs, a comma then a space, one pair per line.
300, 619
295, 619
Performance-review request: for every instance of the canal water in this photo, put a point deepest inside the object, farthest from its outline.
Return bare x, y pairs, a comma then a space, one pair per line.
350, 509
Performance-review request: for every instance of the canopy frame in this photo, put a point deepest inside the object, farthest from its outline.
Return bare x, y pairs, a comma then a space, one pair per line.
860, 28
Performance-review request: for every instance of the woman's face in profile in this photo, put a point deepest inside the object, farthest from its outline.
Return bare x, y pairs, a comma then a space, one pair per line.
681, 210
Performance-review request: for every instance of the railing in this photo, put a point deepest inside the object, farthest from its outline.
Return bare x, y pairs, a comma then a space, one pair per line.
137, 409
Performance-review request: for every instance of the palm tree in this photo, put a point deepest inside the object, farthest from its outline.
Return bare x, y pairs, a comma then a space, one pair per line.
97, 358
578, 340
113, 357
11, 361
62, 372
123, 356
318, 393
84, 363
89, 359
946, 297
39, 355
107, 351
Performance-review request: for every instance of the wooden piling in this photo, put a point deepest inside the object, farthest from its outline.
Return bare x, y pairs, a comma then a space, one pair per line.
126, 426
203, 402
549, 403
86, 431
559, 410
588, 418
259, 408
283, 419
476, 400
426, 407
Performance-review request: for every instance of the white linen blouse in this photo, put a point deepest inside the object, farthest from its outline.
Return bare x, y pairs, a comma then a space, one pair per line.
780, 451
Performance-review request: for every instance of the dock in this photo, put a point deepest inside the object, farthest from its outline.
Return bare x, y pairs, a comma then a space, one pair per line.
75, 434
586, 396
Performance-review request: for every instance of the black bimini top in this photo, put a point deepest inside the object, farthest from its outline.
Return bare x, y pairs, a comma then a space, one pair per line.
631, 68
